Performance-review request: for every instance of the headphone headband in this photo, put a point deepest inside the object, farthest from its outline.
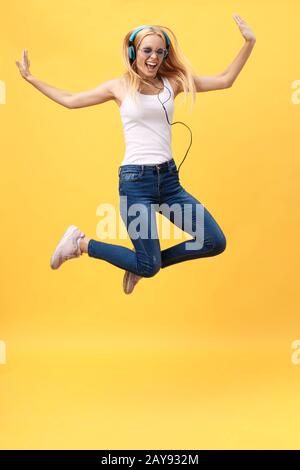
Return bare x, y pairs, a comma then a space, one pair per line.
135, 32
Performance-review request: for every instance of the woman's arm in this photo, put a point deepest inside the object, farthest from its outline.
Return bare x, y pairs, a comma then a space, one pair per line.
100, 94
55, 94
226, 78
231, 73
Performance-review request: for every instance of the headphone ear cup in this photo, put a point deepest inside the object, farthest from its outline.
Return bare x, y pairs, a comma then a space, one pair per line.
131, 52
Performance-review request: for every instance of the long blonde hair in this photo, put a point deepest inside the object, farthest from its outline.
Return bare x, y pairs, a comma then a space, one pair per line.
175, 66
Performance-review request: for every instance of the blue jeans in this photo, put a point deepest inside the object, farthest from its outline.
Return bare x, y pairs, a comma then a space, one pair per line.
153, 186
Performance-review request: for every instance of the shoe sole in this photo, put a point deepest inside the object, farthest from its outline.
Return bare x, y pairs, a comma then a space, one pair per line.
125, 281
128, 289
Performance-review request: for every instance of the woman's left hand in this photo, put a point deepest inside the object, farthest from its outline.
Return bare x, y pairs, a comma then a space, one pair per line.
244, 28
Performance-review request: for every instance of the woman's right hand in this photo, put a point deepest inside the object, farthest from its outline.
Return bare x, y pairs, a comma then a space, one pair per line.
24, 66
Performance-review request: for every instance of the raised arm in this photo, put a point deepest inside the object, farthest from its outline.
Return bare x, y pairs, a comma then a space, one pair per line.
103, 92
225, 79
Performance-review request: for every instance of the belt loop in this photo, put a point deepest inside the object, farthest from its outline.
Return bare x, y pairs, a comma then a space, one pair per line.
142, 170
119, 171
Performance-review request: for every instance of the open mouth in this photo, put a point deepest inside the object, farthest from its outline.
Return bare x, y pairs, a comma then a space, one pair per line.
151, 67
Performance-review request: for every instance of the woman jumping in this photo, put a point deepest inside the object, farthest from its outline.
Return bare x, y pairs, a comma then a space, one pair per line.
157, 72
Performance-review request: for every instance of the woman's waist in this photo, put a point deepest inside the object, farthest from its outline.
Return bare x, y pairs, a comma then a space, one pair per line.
148, 167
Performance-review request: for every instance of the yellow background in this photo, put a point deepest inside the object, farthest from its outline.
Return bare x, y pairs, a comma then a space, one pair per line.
199, 356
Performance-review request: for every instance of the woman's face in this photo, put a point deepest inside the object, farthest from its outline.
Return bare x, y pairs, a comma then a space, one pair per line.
156, 43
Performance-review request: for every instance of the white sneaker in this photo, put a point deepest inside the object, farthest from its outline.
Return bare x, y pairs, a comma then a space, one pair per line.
68, 247
129, 281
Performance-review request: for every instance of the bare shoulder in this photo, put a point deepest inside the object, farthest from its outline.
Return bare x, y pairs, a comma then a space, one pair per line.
118, 89
176, 85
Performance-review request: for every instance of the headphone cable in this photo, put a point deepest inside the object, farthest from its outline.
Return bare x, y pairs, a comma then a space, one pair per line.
176, 122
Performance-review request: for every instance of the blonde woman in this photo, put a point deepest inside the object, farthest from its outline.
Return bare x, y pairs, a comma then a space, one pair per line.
156, 72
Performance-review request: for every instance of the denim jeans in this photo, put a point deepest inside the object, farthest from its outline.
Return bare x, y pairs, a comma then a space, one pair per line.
155, 186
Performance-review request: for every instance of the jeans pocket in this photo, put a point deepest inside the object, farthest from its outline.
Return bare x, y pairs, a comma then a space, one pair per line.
130, 175
173, 169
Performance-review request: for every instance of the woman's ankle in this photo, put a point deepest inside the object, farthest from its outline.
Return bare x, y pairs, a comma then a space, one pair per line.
83, 244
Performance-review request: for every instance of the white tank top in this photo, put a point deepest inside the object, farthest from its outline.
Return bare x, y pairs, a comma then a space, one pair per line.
147, 133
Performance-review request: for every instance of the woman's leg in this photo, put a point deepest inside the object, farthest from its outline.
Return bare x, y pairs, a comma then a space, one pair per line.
192, 217
145, 261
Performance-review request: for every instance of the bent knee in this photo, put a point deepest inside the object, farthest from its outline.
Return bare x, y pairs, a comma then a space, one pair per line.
149, 269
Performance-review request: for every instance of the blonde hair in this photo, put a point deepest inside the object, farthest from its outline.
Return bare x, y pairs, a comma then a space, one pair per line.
175, 66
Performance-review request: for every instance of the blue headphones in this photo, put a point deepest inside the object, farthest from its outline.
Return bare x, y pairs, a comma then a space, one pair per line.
131, 47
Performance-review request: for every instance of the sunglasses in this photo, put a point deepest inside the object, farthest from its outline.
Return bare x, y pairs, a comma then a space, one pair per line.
147, 51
